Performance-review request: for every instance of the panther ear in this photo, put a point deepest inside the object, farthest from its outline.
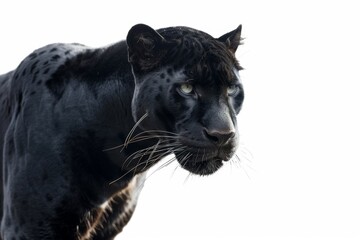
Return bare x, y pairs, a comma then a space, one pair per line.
232, 39
144, 46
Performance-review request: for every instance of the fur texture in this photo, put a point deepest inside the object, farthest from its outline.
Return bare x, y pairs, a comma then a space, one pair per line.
80, 126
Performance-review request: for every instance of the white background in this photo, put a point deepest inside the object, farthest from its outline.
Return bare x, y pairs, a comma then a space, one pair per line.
299, 173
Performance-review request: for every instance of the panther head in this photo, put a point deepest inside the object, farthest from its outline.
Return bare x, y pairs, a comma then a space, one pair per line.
188, 87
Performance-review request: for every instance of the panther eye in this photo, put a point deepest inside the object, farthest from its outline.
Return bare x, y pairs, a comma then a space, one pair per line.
232, 90
186, 88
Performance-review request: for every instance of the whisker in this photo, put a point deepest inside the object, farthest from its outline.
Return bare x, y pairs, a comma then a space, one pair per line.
186, 158
203, 155
246, 153
240, 164
179, 156
141, 156
235, 161
168, 151
129, 171
156, 132
167, 163
246, 173
139, 138
134, 127
135, 155
156, 149
152, 153
176, 168
141, 152
129, 134
187, 178
181, 151
142, 138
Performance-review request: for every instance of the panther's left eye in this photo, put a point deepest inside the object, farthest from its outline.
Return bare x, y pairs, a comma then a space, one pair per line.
232, 90
186, 88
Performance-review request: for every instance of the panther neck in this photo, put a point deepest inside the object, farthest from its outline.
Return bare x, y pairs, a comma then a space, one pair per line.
111, 121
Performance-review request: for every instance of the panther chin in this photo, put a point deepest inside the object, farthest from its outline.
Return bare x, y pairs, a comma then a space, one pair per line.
202, 168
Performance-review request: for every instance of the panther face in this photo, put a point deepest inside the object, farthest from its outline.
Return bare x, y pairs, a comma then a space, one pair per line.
187, 92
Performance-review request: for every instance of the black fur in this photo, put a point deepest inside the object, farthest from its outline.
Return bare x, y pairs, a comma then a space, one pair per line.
66, 106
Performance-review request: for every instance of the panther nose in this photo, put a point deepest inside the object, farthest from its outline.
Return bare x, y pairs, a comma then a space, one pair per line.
219, 137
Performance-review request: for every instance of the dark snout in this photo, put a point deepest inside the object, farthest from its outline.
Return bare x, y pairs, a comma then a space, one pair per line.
219, 136
209, 146
219, 127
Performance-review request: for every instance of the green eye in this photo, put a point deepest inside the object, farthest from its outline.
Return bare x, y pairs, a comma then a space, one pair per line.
232, 90
186, 88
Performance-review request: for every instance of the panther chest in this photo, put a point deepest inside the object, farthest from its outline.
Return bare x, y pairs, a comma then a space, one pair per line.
116, 211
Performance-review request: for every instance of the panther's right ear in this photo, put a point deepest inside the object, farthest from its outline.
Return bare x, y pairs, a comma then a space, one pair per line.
232, 39
145, 46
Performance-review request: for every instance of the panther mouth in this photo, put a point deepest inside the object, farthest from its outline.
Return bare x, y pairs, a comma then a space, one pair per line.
202, 161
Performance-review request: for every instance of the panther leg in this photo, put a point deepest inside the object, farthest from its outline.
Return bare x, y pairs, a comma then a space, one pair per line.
119, 210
